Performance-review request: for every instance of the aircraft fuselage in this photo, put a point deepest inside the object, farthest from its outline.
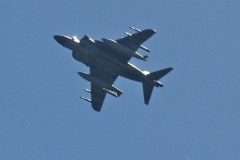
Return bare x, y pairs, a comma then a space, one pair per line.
93, 54
108, 59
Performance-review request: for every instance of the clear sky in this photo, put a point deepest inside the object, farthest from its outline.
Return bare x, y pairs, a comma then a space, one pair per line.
195, 116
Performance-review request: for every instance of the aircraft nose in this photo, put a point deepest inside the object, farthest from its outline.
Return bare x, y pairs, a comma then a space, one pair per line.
60, 39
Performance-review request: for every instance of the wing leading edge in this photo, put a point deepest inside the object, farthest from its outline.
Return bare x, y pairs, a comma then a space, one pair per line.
135, 40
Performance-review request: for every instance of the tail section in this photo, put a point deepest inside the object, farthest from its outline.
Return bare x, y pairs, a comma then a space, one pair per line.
155, 76
159, 74
147, 91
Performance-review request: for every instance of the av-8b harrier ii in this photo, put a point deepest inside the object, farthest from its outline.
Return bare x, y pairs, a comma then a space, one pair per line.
108, 59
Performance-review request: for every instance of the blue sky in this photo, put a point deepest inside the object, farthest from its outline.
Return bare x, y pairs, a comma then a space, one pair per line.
196, 115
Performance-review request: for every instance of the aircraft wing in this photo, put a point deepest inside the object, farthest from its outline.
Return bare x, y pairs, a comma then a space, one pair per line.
135, 40
98, 94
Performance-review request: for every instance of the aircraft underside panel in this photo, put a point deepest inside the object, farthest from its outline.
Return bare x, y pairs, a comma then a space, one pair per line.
109, 59
98, 94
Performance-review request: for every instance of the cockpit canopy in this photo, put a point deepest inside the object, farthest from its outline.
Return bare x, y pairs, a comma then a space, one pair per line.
74, 38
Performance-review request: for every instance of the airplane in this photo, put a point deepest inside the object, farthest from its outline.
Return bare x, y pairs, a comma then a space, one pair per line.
109, 59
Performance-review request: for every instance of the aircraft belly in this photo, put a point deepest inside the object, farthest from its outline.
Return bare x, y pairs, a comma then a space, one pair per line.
102, 61
107, 65
121, 69
131, 73
108, 59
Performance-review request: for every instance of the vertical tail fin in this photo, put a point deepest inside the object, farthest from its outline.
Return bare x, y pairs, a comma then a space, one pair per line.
148, 88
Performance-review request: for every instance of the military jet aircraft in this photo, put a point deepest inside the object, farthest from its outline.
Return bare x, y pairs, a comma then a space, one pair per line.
108, 59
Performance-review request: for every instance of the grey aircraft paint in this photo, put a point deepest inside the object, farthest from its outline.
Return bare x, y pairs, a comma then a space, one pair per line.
108, 59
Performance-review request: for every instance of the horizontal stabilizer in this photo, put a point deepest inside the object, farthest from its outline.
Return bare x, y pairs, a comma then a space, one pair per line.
159, 74
147, 91
148, 88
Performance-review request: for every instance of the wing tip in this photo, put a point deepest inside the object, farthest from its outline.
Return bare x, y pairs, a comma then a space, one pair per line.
97, 110
96, 107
